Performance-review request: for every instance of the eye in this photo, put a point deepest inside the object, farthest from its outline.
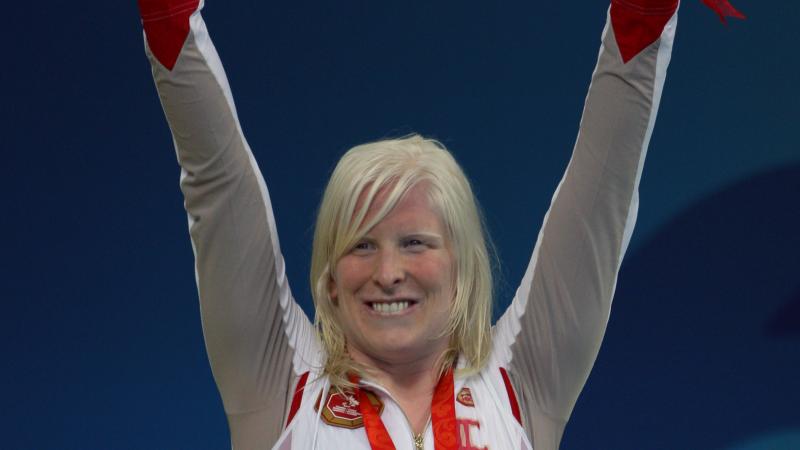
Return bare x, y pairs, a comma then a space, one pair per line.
413, 243
362, 247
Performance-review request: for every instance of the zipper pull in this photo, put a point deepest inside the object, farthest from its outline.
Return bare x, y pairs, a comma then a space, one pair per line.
419, 442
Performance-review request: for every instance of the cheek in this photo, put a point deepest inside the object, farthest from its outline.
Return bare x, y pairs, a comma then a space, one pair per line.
438, 275
350, 275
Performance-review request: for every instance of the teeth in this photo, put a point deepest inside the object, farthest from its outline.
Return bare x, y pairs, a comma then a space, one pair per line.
389, 307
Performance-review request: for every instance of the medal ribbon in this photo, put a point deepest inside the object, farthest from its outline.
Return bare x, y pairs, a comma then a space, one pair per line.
443, 417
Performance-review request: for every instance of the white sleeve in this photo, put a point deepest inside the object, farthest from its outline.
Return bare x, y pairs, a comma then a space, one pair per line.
550, 335
258, 339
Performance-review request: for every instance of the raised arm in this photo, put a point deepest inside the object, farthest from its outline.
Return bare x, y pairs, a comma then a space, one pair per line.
258, 340
550, 335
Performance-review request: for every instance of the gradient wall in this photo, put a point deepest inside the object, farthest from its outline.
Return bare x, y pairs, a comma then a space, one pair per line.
100, 330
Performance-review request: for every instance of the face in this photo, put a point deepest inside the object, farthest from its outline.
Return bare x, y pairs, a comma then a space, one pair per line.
393, 289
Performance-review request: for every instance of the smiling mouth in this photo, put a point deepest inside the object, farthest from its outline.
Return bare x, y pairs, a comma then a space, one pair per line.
390, 308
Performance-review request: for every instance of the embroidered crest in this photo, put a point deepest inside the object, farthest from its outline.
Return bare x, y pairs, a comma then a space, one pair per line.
465, 397
341, 409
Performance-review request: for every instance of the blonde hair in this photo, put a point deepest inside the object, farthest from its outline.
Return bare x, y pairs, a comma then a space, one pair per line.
397, 165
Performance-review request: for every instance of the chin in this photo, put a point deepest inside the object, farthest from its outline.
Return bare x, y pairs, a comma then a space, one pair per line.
399, 350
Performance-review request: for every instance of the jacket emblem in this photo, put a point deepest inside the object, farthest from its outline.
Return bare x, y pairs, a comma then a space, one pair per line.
465, 397
341, 409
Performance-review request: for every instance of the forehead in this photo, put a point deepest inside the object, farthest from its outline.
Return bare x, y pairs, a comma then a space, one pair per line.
414, 207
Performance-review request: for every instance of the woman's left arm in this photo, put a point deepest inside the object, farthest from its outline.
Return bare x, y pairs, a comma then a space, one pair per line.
550, 335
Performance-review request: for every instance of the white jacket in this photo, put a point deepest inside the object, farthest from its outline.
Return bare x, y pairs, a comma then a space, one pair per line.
260, 342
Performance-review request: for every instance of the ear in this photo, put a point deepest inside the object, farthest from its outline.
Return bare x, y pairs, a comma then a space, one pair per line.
333, 292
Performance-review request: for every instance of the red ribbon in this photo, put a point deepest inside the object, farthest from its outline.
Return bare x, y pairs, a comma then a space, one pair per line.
377, 434
443, 414
443, 417
723, 8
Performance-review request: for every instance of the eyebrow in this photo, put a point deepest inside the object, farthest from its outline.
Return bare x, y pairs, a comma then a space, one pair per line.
438, 238
425, 234
413, 234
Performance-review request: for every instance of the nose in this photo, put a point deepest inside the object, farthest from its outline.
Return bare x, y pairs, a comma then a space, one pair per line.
389, 270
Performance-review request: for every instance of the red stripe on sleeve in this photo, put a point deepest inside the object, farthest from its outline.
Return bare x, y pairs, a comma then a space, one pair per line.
512, 397
298, 397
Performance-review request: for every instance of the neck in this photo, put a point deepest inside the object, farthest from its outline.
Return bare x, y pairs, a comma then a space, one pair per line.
418, 375
411, 384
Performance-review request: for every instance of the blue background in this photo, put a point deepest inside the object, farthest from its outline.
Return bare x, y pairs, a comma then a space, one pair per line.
100, 331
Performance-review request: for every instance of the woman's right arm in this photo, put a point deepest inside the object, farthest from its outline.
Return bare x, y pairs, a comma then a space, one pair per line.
258, 339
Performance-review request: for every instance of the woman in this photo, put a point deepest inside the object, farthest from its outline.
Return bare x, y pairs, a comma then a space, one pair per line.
402, 354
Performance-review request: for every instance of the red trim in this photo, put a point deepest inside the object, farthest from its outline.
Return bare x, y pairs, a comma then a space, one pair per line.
639, 23
512, 397
298, 397
723, 8
166, 25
